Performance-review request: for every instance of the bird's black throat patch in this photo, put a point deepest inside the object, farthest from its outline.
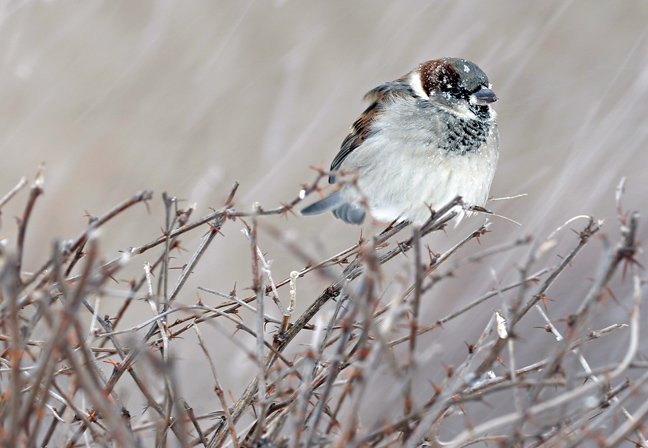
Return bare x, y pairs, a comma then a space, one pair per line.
463, 136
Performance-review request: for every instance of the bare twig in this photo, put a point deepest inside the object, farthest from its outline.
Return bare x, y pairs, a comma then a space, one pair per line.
57, 342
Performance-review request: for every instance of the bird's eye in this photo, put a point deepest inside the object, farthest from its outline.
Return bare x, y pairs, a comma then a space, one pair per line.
454, 89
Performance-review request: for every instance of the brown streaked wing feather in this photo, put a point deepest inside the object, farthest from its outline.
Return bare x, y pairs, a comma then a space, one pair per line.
362, 128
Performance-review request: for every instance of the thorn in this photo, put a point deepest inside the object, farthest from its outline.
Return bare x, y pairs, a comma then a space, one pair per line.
213, 229
287, 208
180, 248
544, 299
113, 363
437, 389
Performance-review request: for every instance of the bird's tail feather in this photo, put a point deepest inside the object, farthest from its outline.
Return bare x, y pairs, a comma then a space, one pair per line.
352, 214
327, 204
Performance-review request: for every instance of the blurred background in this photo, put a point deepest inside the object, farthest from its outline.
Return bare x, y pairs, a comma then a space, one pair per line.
188, 97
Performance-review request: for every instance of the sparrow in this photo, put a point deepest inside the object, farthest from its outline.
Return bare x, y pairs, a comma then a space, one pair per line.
425, 139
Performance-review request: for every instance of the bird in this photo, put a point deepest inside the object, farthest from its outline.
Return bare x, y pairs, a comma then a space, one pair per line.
424, 139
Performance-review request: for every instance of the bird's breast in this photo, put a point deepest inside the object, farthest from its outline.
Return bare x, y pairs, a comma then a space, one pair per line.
417, 161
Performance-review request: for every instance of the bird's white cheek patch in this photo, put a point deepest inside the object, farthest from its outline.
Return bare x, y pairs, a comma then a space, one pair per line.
414, 80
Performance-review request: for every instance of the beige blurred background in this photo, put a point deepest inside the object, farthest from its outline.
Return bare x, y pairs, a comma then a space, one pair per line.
188, 97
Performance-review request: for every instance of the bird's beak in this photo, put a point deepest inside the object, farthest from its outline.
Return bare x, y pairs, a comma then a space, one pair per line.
483, 97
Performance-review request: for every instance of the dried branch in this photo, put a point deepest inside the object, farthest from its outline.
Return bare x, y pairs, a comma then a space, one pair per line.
320, 388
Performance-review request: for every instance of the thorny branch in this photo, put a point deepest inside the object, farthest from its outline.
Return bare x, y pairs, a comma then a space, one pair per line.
315, 377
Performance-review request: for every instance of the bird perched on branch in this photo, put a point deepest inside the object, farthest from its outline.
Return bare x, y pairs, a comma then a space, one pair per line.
425, 139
